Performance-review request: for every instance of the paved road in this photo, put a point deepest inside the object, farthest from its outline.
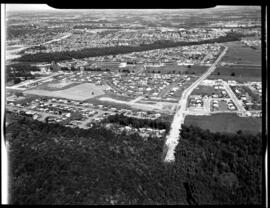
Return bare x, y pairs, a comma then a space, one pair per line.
179, 117
57, 39
237, 102
12, 54
141, 70
32, 81
136, 100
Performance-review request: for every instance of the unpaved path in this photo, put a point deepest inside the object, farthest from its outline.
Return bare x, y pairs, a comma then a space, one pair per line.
179, 117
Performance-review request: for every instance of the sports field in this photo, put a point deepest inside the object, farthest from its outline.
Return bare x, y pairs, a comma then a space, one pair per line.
226, 122
79, 92
56, 85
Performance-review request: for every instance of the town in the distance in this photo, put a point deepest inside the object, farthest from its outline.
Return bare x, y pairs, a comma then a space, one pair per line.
143, 72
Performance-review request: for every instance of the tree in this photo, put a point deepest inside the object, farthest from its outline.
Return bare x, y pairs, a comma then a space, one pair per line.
239, 132
232, 74
18, 94
75, 116
16, 80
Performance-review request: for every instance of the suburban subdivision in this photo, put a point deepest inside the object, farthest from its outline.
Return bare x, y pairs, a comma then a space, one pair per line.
125, 106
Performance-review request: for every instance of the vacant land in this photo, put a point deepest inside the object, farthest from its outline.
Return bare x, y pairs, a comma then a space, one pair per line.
57, 85
238, 72
97, 101
204, 90
230, 123
119, 97
240, 54
79, 92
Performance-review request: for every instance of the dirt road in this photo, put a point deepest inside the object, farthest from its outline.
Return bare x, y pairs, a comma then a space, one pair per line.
179, 117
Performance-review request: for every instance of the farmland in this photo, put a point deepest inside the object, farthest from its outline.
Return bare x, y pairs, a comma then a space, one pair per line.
222, 122
238, 72
241, 54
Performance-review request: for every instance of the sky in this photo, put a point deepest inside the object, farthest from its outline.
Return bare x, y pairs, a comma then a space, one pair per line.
44, 7
27, 7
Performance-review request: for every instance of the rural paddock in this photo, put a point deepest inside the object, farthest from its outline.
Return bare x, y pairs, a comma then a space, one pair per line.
229, 123
79, 92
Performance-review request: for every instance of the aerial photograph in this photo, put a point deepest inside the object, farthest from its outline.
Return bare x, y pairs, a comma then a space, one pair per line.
133, 106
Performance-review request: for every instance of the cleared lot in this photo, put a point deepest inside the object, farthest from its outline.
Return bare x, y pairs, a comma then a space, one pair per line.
79, 92
238, 72
228, 122
238, 53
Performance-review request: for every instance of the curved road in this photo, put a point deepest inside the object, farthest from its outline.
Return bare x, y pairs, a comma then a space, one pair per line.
179, 117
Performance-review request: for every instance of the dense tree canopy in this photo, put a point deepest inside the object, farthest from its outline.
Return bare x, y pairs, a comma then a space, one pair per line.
139, 123
53, 164
15, 72
93, 52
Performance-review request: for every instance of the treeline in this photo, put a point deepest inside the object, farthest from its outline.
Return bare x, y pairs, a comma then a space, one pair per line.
20, 71
53, 164
93, 52
85, 69
138, 123
38, 47
95, 27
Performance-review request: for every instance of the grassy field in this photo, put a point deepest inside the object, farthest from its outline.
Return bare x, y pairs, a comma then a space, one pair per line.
119, 97
242, 73
176, 69
222, 122
202, 90
79, 92
50, 86
96, 101
241, 54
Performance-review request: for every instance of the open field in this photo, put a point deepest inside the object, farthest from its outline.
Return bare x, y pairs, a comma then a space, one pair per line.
97, 101
80, 92
204, 90
239, 79
223, 122
176, 69
111, 102
118, 97
240, 54
56, 85
242, 73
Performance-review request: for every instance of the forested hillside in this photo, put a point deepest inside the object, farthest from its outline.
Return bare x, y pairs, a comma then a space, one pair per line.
52, 164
